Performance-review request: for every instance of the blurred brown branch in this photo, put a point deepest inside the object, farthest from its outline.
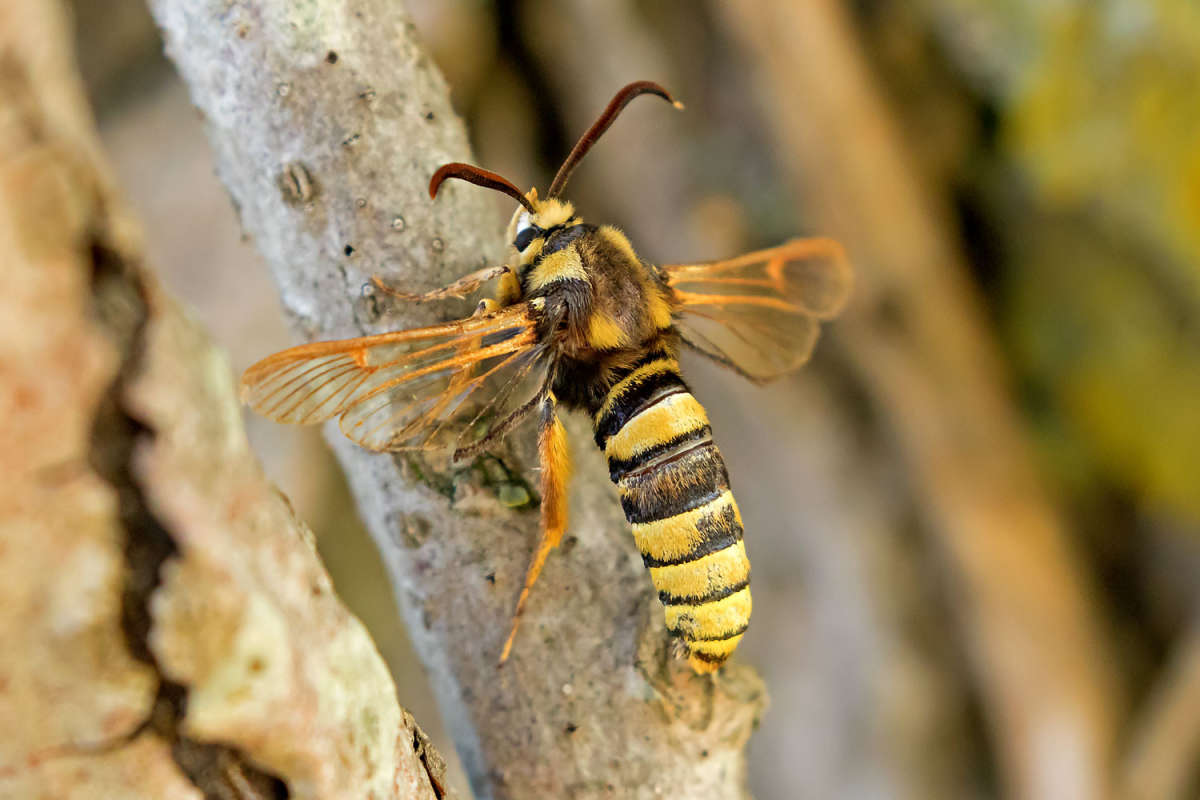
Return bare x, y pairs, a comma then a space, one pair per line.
916, 335
168, 630
326, 127
1164, 748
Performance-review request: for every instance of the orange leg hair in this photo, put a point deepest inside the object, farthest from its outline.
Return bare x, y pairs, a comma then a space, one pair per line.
460, 288
556, 469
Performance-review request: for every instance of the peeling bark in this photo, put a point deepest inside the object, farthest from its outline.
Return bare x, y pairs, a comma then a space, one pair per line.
327, 120
168, 630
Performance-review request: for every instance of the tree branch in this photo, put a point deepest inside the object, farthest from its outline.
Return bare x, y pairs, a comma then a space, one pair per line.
916, 335
1164, 742
168, 630
327, 120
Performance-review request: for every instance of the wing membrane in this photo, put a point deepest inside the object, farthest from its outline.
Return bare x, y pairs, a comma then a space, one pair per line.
415, 389
760, 313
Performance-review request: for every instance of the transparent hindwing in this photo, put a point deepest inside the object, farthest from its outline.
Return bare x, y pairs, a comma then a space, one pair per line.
760, 313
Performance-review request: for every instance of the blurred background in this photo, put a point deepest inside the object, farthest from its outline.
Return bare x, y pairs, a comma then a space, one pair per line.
974, 518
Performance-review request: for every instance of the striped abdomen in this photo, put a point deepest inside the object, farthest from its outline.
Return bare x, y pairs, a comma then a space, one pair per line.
675, 492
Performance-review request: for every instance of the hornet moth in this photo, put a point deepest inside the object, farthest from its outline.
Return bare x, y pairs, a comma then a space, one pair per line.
580, 321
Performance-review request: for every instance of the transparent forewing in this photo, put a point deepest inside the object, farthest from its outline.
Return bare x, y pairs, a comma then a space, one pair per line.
451, 407
438, 387
760, 313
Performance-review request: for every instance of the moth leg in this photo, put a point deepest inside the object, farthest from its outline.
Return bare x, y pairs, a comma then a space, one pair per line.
556, 469
459, 288
486, 306
509, 289
499, 430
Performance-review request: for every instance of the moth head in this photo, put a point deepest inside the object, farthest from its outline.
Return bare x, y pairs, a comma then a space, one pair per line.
524, 226
527, 229
536, 216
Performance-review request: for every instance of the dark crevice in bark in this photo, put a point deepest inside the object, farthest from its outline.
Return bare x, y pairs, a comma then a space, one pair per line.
220, 772
431, 760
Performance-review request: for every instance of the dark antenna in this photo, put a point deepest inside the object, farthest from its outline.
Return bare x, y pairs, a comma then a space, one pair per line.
479, 177
619, 101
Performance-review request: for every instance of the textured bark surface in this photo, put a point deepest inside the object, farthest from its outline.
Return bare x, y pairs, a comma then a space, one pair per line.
327, 120
168, 629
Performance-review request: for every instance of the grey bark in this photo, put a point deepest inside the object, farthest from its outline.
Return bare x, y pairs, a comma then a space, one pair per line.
327, 120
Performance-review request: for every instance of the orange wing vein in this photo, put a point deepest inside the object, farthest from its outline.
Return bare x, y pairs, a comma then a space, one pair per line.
760, 313
413, 389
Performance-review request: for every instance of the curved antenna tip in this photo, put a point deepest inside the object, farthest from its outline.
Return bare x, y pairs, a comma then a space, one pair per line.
619, 101
443, 172
679, 105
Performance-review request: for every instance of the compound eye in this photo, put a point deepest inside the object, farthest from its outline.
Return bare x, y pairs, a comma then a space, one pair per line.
525, 237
